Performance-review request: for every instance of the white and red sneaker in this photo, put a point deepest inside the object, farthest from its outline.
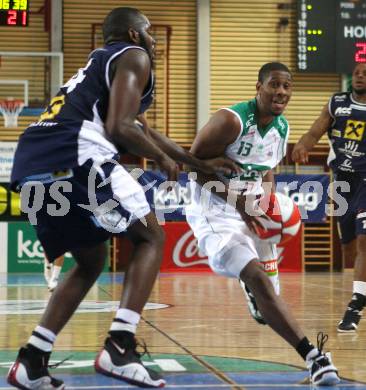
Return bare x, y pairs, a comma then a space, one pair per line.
122, 361
30, 371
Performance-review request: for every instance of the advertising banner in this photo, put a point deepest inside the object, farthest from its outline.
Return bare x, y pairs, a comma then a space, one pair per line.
10, 204
181, 251
309, 192
166, 204
7, 151
25, 253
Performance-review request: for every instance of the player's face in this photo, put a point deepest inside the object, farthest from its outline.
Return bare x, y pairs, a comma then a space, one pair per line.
359, 79
275, 92
147, 41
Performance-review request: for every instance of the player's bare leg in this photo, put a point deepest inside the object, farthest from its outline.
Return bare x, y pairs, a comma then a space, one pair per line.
73, 288
119, 357
353, 313
280, 319
272, 307
31, 366
349, 252
144, 264
360, 262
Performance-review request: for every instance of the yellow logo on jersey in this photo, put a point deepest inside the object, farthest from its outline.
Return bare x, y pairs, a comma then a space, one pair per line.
354, 130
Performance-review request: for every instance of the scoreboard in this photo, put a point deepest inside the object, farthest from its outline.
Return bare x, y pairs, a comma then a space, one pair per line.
331, 35
14, 13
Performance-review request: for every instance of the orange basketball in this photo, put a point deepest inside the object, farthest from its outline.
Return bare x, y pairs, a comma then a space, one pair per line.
283, 219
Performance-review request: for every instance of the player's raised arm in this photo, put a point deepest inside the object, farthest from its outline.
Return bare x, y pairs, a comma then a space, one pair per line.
309, 139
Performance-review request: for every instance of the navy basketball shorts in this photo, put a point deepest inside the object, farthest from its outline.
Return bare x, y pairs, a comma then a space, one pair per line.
82, 207
353, 222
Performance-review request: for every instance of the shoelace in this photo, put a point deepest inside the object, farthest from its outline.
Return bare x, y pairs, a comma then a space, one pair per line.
322, 338
55, 365
142, 344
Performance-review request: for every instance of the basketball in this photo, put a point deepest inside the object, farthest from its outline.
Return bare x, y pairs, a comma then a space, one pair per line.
283, 219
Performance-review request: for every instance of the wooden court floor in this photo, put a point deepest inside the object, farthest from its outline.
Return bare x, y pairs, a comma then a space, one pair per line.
200, 337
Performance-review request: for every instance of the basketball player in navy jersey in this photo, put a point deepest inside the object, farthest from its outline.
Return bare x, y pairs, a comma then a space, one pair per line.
69, 155
344, 120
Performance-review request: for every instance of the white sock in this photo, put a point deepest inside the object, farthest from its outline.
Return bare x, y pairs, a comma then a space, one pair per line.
125, 320
47, 270
42, 338
359, 287
56, 271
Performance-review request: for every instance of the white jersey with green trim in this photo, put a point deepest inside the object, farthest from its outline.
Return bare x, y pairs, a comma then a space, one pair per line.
256, 150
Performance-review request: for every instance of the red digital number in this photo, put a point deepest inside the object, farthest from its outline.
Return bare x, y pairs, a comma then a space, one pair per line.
360, 55
24, 18
12, 18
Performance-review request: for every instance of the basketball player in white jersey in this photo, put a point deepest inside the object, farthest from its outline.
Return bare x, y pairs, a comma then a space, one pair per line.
254, 135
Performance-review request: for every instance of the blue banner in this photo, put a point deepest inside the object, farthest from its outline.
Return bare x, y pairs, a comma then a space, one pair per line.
168, 203
309, 192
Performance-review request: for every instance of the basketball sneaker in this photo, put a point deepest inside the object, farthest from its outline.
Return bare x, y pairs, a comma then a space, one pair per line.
321, 369
30, 371
252, 304
120, 359
352, 315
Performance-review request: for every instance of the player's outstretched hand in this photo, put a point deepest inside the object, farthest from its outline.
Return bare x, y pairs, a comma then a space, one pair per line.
169, 166
300, 154
220, 165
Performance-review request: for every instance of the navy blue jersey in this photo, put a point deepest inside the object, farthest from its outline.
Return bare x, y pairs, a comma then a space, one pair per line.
71, 130
347, 134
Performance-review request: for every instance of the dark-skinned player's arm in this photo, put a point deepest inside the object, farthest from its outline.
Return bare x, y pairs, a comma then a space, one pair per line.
211, 141
300, 153
179, 154
132, 72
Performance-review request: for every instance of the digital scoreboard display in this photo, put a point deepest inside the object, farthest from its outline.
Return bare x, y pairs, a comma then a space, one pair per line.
331, 35
316, 33
14, 13
351, 34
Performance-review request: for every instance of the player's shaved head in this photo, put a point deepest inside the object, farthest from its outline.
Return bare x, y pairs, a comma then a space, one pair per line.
266, 69
119, 20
